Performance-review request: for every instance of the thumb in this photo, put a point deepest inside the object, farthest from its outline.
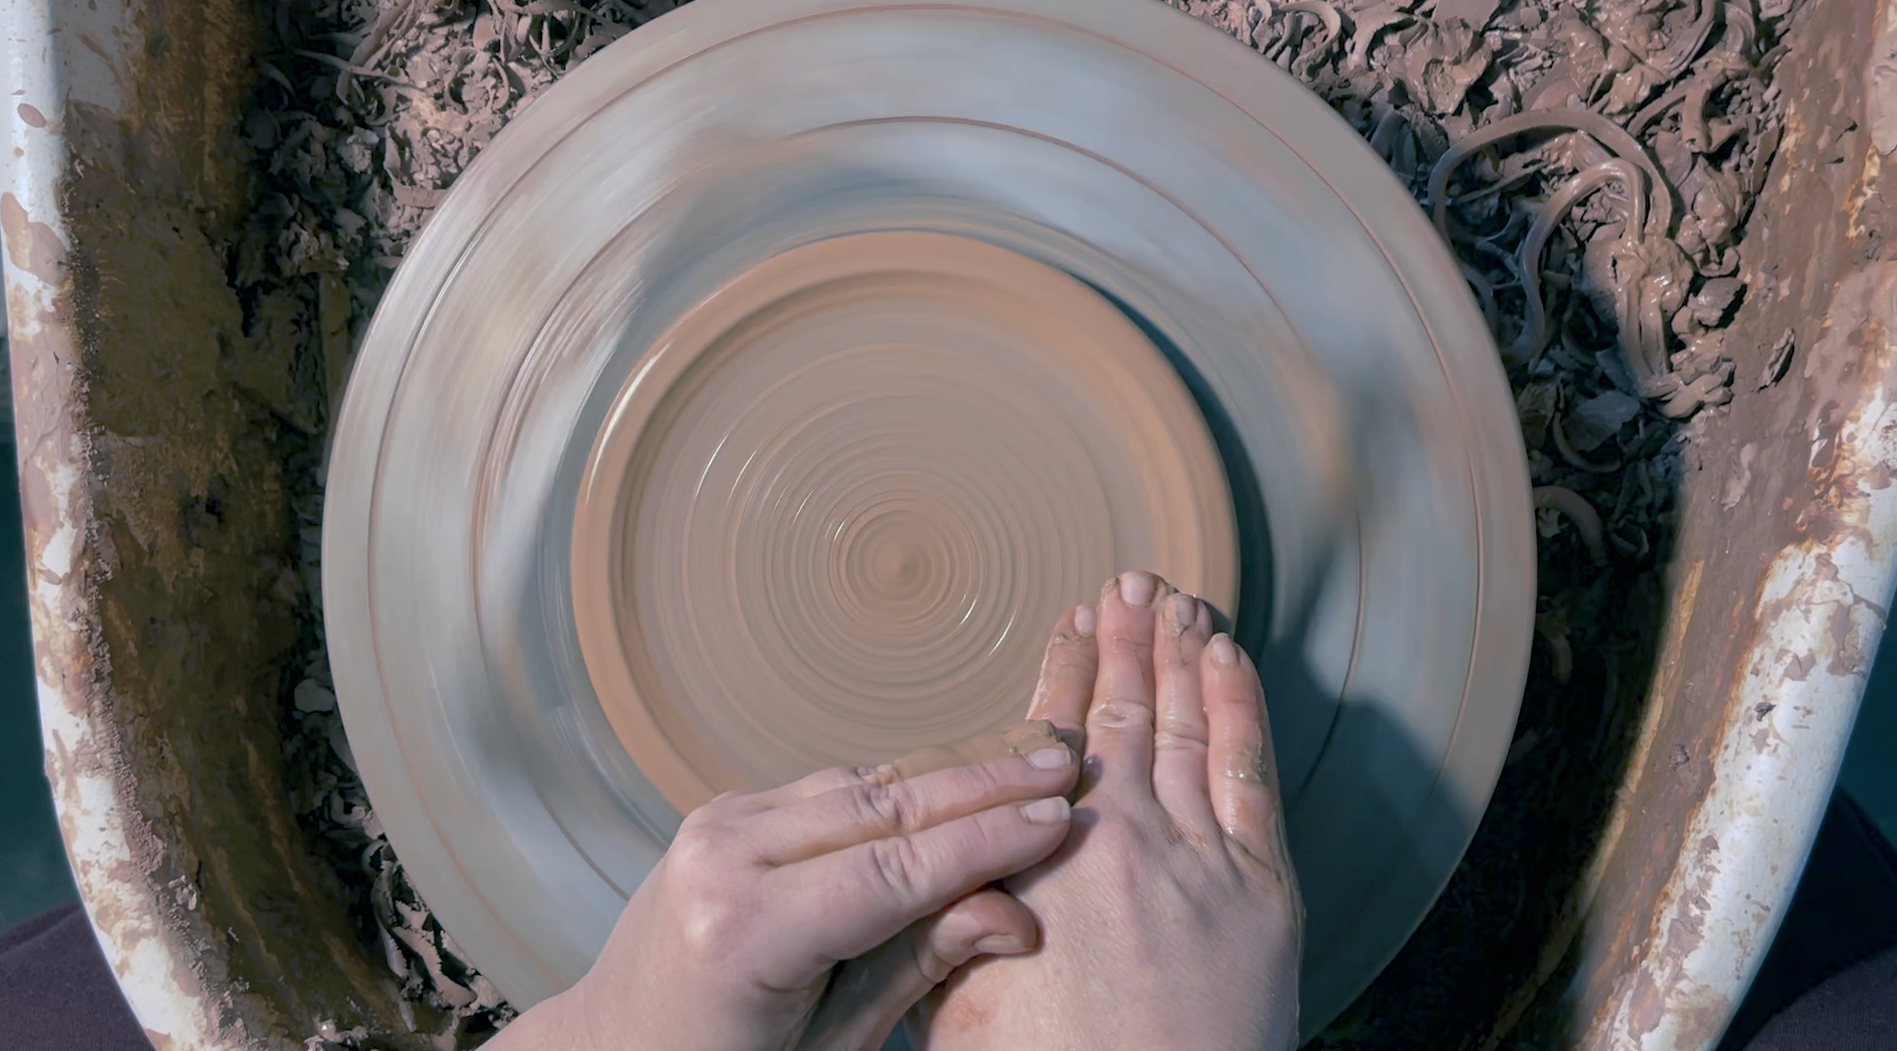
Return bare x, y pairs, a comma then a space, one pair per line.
867, 996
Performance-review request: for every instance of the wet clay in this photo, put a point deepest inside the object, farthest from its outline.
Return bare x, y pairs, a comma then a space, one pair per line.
1030, 736
836, 508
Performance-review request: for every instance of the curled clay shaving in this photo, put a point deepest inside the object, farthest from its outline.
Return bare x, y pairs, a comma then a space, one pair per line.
1484, 294
1295, 50
1534, 334
1658, 108
1675, 60
1694, 132
1587, 521
1365, 38
1721, 68
1609, 134
1651, 278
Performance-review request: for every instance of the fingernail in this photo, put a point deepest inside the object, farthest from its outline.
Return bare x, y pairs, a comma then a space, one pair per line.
1137, 588
1000, 945
1224, 653
1050, 811
1182, 610
1084, 619
1050, 758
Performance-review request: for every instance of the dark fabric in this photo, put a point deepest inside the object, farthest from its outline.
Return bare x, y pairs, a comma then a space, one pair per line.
56, 991
1844, 913
1853, 1011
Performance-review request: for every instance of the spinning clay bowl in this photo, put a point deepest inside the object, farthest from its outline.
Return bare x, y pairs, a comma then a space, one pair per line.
764, 392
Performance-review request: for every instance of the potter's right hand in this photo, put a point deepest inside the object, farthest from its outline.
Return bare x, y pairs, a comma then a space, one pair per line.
1170, 917
738, 939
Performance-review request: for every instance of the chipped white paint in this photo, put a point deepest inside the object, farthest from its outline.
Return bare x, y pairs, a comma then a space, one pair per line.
1821, 613
48, 59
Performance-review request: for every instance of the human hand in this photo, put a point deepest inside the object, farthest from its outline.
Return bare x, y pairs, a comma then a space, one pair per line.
1170, 917
737, 939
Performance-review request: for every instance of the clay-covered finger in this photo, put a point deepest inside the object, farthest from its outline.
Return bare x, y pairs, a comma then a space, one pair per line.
1068, 669
869, 994
874, 809
1241, 768
1023, 738
855, 899
1020, 739
815, 784
1119, 752
1181, 736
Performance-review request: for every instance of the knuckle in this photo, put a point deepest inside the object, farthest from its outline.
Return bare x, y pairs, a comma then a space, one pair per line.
1128, 644
701, 847
987, 780
1167, 739
711, 921
1064, 681
1128, 851
884, 806
1068, 666
1114, 713
711, 814
895, 866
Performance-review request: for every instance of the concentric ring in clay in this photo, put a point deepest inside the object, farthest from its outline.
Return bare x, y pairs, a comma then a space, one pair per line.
834, 511
1240, 230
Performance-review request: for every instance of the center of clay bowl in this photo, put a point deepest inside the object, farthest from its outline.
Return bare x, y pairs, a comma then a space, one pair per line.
896, 560
839, 505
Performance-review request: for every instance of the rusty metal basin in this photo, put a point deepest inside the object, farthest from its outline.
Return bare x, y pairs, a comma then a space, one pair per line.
154, 415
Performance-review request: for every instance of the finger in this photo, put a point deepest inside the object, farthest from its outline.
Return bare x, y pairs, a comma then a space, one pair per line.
869, 995
873, 809
1120, 720
854, 900
1180, 738
1020, 739
1241, 767
812, 785
1067, 673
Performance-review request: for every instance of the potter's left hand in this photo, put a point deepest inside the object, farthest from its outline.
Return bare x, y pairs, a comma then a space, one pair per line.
814, 915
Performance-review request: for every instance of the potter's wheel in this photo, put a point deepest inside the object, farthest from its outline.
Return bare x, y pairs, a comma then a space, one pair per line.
761, 396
